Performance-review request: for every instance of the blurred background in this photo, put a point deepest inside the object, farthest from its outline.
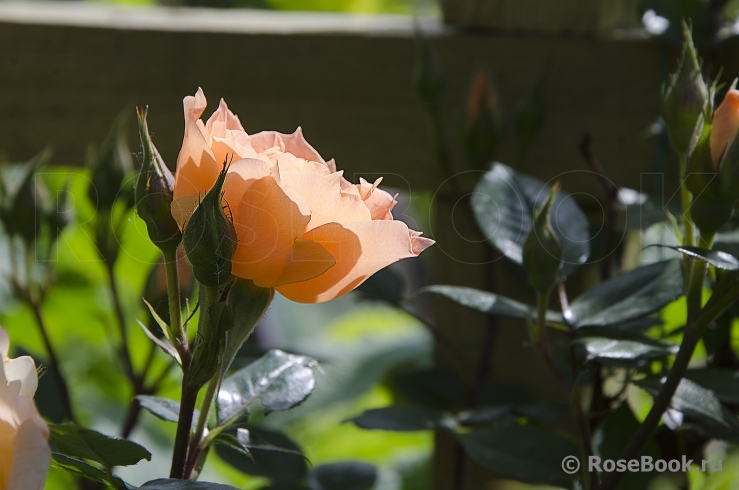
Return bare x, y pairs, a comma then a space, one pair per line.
388, 88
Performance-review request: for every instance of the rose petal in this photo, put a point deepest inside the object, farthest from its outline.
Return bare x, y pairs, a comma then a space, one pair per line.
379, 202
197, 169
31, 458
4, 343
21, 376
725, 125
360, 248
294, 143
326, 201
269, 223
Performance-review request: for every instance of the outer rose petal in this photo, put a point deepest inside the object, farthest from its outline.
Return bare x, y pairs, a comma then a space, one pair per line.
725, 125
292, 143
360, 248
226, 136
197, 169
21, 376
326, 201
31, 458
269, 225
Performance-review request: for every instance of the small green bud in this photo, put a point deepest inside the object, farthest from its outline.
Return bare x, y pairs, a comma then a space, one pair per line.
110, 166
153, 192
428, 75
24, 200
542, 252
701, 175
685, 98
210, 238
483, 126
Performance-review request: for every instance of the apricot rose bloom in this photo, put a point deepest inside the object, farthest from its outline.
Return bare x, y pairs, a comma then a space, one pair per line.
725, 126
24, 451
302, 228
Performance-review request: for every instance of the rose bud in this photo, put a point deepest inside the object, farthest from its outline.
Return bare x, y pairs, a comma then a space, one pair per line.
483, 126
110, 166
25, 455
210, 239
153, 191
685, 98
542, 252
713, 168
302, 228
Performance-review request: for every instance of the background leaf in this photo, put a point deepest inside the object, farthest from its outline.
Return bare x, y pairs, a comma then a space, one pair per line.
522, 452
490, 303
170, 484
717, 258
163, 408
504, 202
403, 418
345, 475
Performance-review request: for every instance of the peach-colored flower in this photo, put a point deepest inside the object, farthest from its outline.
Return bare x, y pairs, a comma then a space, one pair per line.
24, 451
302, 228
725, 125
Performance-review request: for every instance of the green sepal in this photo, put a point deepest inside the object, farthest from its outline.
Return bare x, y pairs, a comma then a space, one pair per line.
542, 252
210, 238
154, 190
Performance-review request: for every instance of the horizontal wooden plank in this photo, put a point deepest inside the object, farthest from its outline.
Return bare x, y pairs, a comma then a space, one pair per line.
348, 84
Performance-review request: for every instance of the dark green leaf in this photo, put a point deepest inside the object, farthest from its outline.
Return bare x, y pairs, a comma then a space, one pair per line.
171, 484
384, 285
435, 388
701, 405
78, 442
231, 439
247, 303
718, 259
723, 382
273, 455
86, 470
163, 408
629, 296
280, 381
404, 419
611, 438
490, 303
521, 452
504, 202
347, 475
609, 349
543, 412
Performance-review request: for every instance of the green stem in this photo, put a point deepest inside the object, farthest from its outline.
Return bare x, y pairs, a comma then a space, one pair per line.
542, 301
687, 200
173, 294
190, 395
197, 437
694, 293
125, 353
693, 334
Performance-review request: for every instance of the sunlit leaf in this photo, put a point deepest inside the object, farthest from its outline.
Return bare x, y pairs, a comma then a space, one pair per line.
504, 202
278, 379
629, 296
717, 258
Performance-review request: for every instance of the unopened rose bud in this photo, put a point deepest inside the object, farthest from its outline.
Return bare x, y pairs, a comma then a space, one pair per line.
110, 166
153, 192
685, 98
483, 125
428, 75
542, 252
210, 238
